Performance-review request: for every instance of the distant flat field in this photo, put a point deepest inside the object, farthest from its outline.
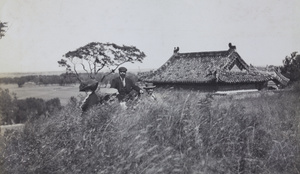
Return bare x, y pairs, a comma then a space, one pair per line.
48, 92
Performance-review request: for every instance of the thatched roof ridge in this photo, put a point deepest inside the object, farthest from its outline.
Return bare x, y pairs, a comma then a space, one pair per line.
274, 73
205, 54
281, 78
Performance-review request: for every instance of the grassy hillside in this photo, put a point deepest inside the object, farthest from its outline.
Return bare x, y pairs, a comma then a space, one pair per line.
186, 132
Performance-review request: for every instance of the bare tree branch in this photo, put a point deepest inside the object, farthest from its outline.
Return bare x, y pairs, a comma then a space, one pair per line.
83, 67
77, 75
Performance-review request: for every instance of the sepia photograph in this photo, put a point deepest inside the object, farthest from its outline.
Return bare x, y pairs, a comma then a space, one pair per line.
149, 87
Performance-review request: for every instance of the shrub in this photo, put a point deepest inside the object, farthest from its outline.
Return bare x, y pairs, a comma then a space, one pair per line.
13, 110
7, 107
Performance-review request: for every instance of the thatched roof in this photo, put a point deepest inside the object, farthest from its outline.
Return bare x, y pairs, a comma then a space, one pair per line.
242, 77
274, 72
205, 67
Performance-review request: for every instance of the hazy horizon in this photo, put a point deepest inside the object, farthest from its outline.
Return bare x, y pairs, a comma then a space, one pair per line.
18, 74
130, 69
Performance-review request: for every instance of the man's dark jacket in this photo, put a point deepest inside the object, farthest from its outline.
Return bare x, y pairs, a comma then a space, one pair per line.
124, 91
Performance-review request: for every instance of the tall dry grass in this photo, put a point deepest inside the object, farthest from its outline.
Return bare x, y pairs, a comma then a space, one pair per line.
186, 132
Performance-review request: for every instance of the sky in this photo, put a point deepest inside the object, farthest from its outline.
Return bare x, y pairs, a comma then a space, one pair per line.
40, 32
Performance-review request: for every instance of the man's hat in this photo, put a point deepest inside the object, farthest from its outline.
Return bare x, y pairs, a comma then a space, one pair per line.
122, 69
88, 85
149, 86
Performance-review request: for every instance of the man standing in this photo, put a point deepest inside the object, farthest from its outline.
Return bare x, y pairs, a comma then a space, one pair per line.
124, 85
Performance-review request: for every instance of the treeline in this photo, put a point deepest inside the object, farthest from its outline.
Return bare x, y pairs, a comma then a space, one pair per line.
63, 79
291, 67
13, 110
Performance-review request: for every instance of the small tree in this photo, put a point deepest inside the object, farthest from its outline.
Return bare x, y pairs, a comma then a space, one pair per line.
95, 56
2, 26
21, 82
291, 66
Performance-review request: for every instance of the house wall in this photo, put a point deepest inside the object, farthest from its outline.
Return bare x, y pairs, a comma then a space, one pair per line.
240, 86
212, 87
202, 87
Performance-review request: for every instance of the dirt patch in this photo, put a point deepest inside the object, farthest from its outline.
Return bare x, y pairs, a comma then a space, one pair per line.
17, 127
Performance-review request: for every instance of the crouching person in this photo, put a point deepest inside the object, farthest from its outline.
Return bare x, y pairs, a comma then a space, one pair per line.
91, 99
149, 87
150, 96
